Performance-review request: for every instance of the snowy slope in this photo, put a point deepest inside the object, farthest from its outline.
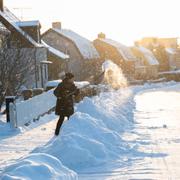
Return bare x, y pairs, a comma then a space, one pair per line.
39, 166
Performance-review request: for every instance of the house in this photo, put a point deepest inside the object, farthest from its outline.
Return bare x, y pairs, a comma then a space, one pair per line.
32, 28
149, 42
59, 63
157, 46
174, 58
146, 66
83, 56
25, 37
4, 32
117, 52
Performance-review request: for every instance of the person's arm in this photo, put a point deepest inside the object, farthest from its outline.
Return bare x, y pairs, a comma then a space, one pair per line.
75, 90
58, 90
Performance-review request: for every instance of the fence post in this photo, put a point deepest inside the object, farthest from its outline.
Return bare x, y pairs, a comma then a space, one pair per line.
13, 115
9, 99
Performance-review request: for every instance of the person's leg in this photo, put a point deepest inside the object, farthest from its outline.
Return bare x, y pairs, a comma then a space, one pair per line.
59, 124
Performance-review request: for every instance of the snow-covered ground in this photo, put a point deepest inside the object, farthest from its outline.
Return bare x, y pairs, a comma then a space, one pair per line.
132, 133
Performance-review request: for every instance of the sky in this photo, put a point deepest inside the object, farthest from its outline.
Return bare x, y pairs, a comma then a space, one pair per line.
122, 20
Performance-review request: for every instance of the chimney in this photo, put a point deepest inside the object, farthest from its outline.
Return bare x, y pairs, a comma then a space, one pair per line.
1, 5
56, 25
101, 35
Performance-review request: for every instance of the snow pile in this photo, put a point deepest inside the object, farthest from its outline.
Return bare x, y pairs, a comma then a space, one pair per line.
86, 47
92, 136
38, 166
113, 75
6, 129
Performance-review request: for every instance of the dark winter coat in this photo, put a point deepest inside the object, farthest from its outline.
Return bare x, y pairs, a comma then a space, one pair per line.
64, 93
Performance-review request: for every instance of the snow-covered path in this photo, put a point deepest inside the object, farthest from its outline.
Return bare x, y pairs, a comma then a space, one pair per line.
156, 135
13, 147
101, 141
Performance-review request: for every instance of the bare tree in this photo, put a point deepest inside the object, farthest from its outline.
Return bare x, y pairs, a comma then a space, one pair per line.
16, 66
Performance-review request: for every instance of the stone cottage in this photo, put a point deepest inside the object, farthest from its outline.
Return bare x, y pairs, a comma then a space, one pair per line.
83, 56
146, 66
117, 52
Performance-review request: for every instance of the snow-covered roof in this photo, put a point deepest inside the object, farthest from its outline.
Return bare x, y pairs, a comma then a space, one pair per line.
27, 23
148, 55
122, 49
10, 16
170, 50
55, 51
85, 47
8, 21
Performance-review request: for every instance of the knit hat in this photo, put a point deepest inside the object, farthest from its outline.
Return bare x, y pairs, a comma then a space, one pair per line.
69, 75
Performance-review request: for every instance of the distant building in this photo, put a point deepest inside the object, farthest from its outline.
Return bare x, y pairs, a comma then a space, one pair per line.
25, 36
152, 42
59, 63
146, 66
174, 58
117, 52
83, 56
157, 46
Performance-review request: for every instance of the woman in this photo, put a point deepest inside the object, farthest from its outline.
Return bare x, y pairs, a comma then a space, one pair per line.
64, 105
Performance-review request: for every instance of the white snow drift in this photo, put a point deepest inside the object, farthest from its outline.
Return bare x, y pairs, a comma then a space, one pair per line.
92, 137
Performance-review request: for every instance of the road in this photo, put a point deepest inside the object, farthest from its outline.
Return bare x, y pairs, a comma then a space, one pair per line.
156, 135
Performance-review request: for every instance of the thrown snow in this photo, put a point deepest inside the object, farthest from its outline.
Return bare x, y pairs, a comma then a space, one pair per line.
113, 75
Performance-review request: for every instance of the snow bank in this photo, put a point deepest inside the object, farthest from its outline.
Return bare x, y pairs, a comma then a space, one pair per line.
6, 129
38, 166
92, 136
